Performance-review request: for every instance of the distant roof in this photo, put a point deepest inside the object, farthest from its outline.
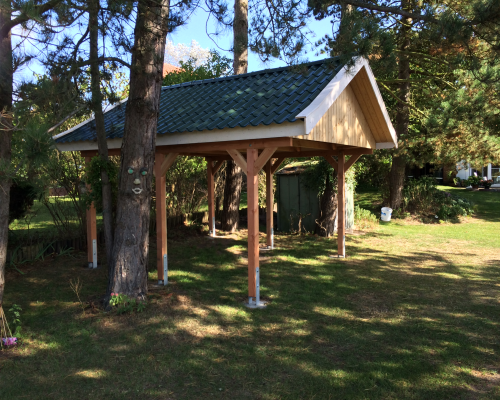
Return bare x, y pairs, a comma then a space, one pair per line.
257, 98
168, 68
296, 167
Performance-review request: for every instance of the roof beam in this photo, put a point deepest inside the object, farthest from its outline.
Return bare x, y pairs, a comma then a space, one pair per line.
263, 158
167, 163
238, 159
224, 146
277, 164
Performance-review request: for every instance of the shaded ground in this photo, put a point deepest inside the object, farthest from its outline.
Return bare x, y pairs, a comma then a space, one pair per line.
413, 313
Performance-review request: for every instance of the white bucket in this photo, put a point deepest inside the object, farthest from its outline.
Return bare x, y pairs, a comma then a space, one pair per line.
386, 214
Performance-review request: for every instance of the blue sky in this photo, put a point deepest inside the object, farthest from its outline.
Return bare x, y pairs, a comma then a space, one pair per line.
195, 29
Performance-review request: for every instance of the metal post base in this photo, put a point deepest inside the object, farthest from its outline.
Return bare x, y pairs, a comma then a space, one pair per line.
162, 283
337, 256
252, 303
91, 265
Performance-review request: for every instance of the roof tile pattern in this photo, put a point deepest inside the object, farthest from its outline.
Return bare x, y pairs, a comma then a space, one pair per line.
258, 98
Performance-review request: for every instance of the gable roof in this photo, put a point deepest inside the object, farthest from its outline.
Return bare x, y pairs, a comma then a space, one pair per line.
271, 96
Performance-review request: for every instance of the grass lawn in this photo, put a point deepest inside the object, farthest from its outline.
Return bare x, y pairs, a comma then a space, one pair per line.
412, 313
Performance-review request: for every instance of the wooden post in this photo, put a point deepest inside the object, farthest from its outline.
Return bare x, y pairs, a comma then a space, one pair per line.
161, 221
211, 189
91, 229
341, 205
269, 205
253, 226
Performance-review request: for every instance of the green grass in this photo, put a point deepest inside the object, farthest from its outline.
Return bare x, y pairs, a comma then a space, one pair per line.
412, 313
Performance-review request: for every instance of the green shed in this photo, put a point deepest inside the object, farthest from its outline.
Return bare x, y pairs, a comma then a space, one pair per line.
298, 202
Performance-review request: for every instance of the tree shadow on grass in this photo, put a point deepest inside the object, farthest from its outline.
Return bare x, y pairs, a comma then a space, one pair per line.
406, 324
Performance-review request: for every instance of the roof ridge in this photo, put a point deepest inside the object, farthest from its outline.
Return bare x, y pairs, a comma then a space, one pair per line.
260, 72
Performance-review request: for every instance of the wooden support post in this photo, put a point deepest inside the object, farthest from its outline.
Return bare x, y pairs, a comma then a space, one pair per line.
341, 205
91, 229
161, 221
253, 230
211, 189
269, 205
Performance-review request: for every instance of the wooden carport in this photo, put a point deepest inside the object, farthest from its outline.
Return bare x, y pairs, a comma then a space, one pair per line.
324, 110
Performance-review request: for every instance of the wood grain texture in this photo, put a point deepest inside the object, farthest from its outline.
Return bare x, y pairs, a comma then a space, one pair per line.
161, 213
253, 221
91, 223
211, 196
269, 203
239, 159
344, 123
341, 205
264, 158
168, 161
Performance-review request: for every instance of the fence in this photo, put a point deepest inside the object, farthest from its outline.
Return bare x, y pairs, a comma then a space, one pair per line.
46, 248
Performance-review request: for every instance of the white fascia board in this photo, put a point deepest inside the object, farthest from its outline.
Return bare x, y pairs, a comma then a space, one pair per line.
286, 129
87, 120
320, 105
385, 145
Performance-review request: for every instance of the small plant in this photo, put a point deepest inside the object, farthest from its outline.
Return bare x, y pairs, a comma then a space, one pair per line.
15, 310
6, 337
125, 303
76, 286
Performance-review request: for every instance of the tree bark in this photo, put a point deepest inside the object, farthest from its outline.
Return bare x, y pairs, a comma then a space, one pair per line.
234, 178
232, 195
6, 80
397, 174
102, 144
325, 225
128, 273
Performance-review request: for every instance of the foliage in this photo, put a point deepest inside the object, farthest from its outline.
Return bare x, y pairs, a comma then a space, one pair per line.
421, 196
373, 169
126, 304
317, 170
474, 180
364, 219
93, 178
15, 311
451, 206
215, 66
22, 196
186, 182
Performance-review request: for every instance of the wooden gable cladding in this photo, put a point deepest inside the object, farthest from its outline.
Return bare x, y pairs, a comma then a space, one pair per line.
344, 123
367, 100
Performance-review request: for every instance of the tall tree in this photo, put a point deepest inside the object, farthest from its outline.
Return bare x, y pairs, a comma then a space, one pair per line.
12, 14
234, 176
128, 267
412, 46
107, 199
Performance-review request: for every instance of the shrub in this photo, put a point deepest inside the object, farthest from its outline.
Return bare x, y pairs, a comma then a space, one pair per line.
22, 196
422, 196
364, 219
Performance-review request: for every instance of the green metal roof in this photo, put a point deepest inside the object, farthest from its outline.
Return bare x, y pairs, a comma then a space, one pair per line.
258, 98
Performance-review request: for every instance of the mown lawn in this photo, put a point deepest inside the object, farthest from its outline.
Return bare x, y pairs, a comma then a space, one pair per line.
412, 313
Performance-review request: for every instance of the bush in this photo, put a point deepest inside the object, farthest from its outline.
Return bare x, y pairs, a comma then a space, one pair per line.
421, 196
22, 196
364, 219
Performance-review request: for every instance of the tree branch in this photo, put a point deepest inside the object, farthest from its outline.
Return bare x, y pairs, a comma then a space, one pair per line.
23, 17
67, 117
102, 59
401, 101
390, 10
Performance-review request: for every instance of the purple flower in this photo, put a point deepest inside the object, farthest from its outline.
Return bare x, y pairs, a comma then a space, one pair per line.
10, 341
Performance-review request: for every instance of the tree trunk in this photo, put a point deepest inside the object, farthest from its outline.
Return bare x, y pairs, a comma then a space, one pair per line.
325, 225
397, 174
232, 194
6, 80
234, 178
128, 273
107, 200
